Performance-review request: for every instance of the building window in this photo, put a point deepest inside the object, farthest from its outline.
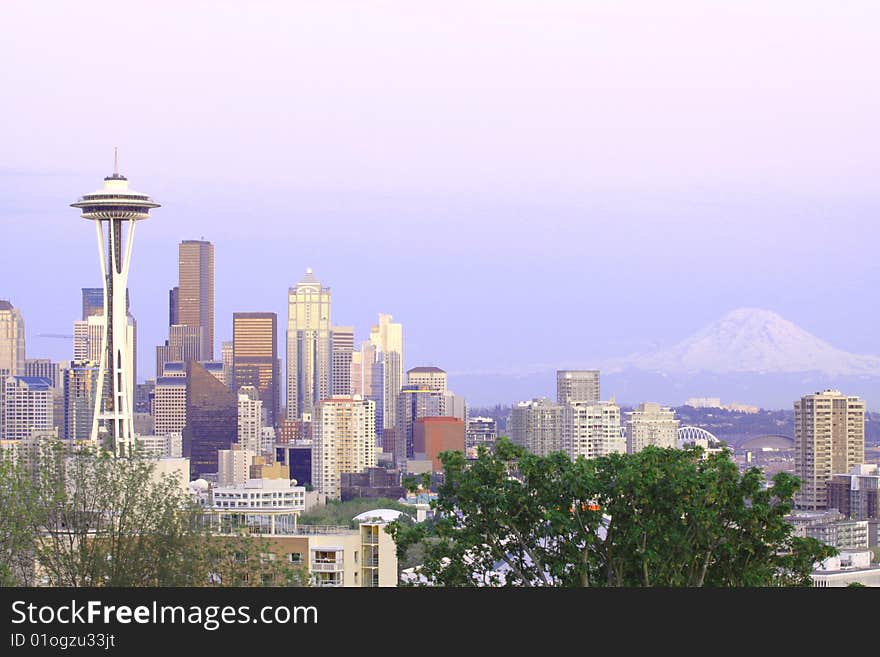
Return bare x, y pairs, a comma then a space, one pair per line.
295, 557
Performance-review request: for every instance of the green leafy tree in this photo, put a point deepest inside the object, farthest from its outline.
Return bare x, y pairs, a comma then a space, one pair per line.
656, 518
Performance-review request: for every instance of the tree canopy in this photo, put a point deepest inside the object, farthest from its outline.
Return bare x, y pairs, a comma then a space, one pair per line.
661, 517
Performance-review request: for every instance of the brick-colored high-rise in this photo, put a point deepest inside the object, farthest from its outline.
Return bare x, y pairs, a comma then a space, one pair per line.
255, 359
195, 296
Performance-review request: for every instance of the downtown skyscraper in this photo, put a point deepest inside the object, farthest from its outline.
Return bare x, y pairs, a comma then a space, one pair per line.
309, 346
387, 339
195, 292
255, 359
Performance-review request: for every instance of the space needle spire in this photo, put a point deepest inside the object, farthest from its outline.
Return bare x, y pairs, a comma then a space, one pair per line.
115, 209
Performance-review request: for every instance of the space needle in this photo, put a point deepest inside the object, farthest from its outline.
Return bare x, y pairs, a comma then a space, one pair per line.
115, 209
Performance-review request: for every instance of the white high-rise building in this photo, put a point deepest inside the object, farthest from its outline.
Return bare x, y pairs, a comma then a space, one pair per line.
169, 405
233, 466
309, 346
250, 419
829, 438
11, 339
115, 209
592, 429
432, 378
537, 425
651, 424
577, 386
29, 406
387, 338
343, 440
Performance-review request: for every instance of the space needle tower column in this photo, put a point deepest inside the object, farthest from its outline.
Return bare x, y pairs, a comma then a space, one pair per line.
115, 209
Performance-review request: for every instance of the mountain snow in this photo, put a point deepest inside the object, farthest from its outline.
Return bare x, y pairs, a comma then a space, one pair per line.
754, 340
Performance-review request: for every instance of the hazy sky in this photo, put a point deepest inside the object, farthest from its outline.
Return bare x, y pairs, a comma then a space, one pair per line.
520, 183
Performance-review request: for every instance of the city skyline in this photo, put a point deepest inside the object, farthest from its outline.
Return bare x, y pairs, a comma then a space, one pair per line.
715, 199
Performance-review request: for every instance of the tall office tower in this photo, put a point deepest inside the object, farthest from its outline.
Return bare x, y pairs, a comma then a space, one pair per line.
577, 386
309, 358
184, 343
344, 441
93, 307
195, 298
250, 419
11, 339
829, 438
226, 359
233, 466
80, 393
255, 359
211, 419
28, 401
592, 429
651, 424
387, 337
362, 369
432, 378
12, 357
120, 208
342, 351
93, 302
481, 431
414, 402
537, 425
43, 367
173, 296
455, 406
169, 405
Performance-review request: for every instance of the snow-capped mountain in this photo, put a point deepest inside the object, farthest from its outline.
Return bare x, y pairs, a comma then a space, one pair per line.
754, 340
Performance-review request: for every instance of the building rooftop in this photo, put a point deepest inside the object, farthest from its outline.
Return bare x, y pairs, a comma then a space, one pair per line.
432, 369
5, 305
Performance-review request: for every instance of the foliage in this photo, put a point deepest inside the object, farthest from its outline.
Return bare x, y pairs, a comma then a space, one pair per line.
85, 518
662, 517
335, 512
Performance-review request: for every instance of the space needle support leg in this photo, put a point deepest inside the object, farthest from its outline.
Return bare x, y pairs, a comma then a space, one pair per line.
102, 365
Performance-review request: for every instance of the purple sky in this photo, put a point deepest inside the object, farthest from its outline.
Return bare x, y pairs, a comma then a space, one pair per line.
519, 183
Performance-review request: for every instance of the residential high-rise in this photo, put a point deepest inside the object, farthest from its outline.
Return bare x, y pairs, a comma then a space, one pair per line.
414, 402
120, 208
344, 441
537, 425
226, 358
250, 419
211, 419
28, 401
592, 429
309, 357
481, 431
255, 359
80, 382
829, 437
387, 337
434, 435
432, 378
342, 350
856, 494
577, 386
195, 297
651, 424
11, 339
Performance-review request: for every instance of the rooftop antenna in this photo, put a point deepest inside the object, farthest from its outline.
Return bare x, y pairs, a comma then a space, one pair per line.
116, 160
